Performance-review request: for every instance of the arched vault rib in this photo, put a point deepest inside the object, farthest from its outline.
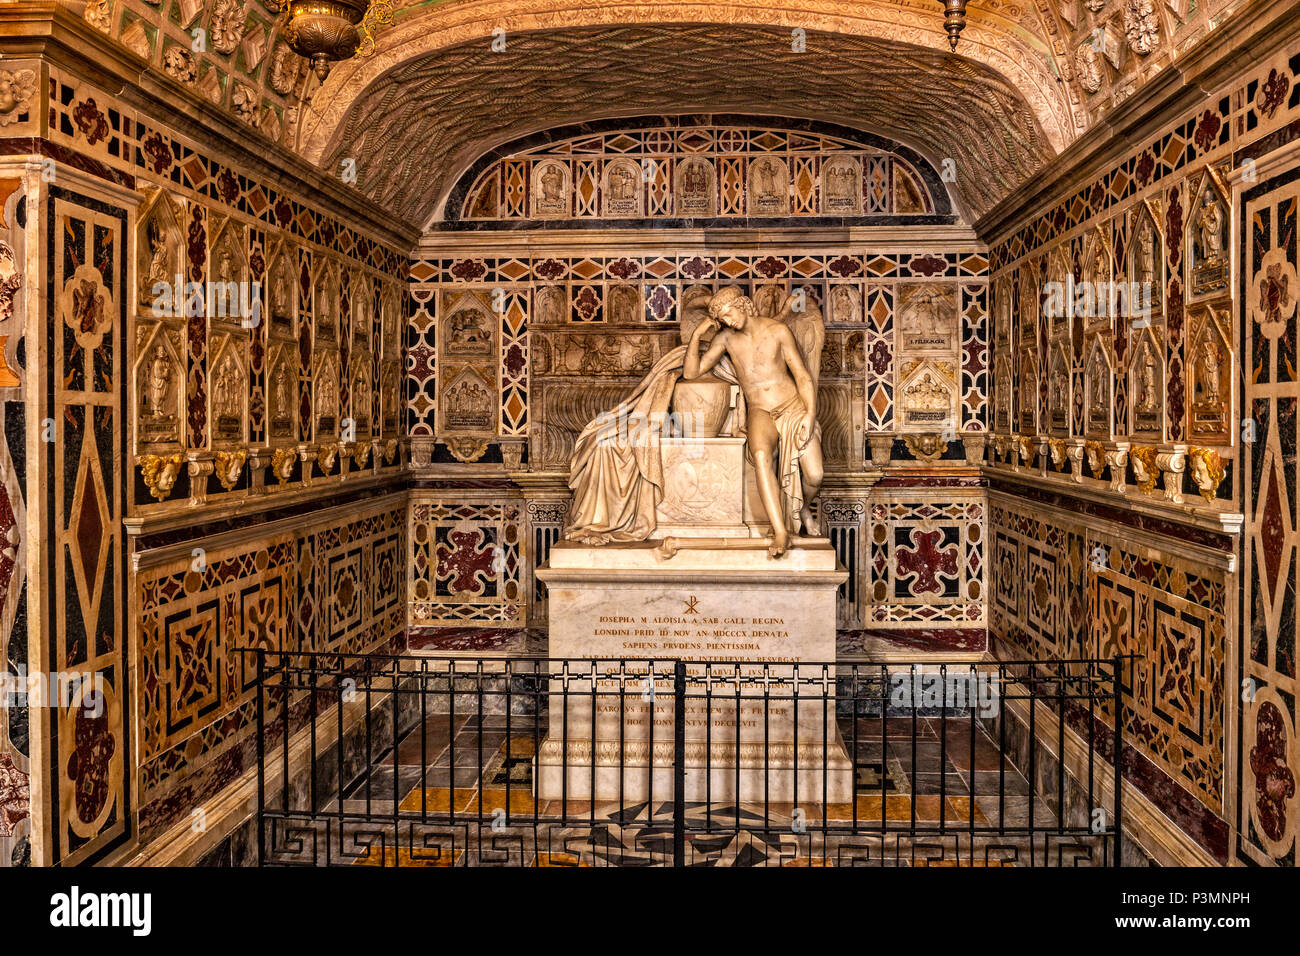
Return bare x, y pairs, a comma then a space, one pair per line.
416, 129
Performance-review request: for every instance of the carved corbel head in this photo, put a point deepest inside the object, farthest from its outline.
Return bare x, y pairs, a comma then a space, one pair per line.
1145, 469
282, 460
160, 473
1207, 471
229, 465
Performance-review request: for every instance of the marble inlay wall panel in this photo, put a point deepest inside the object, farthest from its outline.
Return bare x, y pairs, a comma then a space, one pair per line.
467, 559
926, 557
905, 350
1113, 344
333, 582
15, 554
1268, 812
87, 249
1065, 585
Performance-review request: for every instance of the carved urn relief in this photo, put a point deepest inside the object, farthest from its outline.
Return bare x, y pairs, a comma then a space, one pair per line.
701, 406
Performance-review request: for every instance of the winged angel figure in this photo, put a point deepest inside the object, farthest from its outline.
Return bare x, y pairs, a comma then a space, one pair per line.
617, 478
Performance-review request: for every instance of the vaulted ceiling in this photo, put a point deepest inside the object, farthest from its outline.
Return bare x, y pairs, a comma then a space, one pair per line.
414, 130
1029, 75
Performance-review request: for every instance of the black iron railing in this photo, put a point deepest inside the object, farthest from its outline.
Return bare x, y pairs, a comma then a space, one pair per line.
412, 760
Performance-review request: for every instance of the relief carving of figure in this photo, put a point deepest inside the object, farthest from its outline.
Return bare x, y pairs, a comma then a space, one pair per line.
927, 395
622, 183
1147, 399
1146, 255
765, 178
1211, 358
1209, 224
158, 266
846, 306
16, 90
158, 382
281, 384
617, 483
552, 180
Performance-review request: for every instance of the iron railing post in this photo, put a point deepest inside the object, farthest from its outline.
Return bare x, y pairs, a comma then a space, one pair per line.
1118, 692
679, 764
261, 759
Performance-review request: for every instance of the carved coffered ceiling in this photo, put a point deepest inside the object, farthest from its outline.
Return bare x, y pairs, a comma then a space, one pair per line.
417, 128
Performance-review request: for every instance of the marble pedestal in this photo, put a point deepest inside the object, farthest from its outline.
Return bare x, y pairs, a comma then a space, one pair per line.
703, 604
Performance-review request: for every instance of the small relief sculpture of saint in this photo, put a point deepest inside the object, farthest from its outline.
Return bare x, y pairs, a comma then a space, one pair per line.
158, 382
1210, 357
927, 395
765, 178
1210, 225
1147, 401
845, 305
552, 180
281, 392
157, 271
1146, 255
622, 183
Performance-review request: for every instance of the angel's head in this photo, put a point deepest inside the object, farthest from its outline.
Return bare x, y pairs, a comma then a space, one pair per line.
732, 307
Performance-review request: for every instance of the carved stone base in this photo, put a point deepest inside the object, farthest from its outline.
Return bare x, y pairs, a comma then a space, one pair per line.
703, 488
705, 606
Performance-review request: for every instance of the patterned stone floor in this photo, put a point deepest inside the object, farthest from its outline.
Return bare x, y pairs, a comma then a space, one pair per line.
908, 779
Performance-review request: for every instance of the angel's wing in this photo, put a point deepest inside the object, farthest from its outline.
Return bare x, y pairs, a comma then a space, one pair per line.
809, 332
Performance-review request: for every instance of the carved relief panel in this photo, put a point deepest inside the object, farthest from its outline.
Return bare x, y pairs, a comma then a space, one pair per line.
326, 398
159, 389
927, 394
550, 189
228, 273
158, 257
467, 364
1145, 264
1098, 378
229, 390
623, 190
927, 317
1146, 385
696, 188
842, 186
1208, 230
1210, 363
769, 191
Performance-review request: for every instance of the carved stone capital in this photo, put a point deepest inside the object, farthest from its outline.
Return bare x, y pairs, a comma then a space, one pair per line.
974, 445
512, 454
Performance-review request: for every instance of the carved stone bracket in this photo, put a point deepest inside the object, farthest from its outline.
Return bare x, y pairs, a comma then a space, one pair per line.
1117, 460
201, 466
325, 456
258, 459
467, 450
1172, 464
882, 447
390, 451
422, 452
1074, 452
361, 455
974, 445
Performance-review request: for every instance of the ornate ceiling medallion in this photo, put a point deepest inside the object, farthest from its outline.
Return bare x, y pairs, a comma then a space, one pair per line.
325, 31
